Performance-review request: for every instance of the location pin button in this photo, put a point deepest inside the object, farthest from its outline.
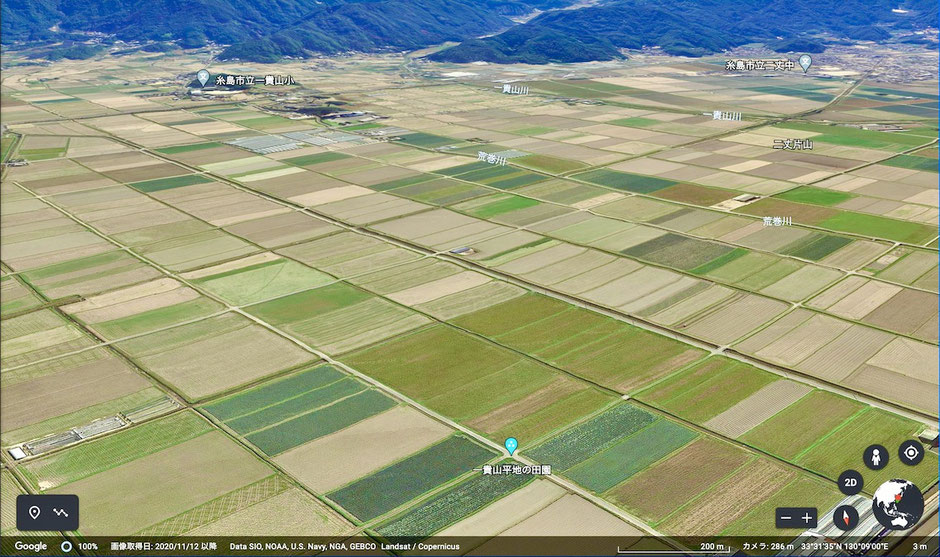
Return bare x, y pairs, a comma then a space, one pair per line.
34, 512
203, 77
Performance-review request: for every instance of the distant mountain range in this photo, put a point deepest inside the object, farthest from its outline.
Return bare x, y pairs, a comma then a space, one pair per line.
267, 30
689, 28
376, 25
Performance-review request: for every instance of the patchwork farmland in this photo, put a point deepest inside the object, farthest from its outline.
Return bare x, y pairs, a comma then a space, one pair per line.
332, 329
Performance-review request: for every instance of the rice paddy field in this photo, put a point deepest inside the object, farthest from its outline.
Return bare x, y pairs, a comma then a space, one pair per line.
330, 328
480, 384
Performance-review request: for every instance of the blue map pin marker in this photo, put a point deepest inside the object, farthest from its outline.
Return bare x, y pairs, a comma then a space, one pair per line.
511, 445
202, 76
805, 62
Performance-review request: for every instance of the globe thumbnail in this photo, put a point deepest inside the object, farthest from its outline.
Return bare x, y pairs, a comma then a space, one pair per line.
898, 504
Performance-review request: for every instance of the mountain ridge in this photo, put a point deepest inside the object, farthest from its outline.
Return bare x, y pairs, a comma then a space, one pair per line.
268, 30
684, 27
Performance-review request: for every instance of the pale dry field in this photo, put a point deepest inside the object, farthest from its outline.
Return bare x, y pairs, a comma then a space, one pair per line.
339, 458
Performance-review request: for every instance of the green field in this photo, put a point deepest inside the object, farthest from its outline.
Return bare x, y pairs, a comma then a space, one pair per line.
309, 160
913, 162
493, 390
627, 359
576, 88
85, 275
635, 122
273, 392
441, 191
818, 246
263, 122
555, 336
7, 143
842, 221
886, 93
295, 406
706, 389
262, 281
719, 262
795, 91
452, 372
516, 180
586, 439
534, 426
432, 361
598, 348
533, 130
624, 181
924, 110
92, 457
157, 318
368, 126
489, 173
398, 483
309, 303
160, 184
815, 196
770, 274
427, 140
498, 204
41, 154
402, 182
843, 449
452, 505
17, 297
56, 101
338, 318
796, 427
880, 227
188, 148
514, 314
307, 427
855, 137
679, 252
621, 461
464, 168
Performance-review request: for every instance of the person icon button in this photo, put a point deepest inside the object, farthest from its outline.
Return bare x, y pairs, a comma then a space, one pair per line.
875, 457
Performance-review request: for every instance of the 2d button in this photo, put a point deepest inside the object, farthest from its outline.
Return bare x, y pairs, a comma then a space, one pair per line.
851, 482
911, 452
875, 457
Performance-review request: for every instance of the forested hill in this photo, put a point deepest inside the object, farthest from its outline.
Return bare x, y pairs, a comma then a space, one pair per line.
377, 24
265, 30
688, 27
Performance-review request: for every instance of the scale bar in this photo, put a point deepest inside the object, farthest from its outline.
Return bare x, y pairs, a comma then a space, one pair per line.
725, 551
